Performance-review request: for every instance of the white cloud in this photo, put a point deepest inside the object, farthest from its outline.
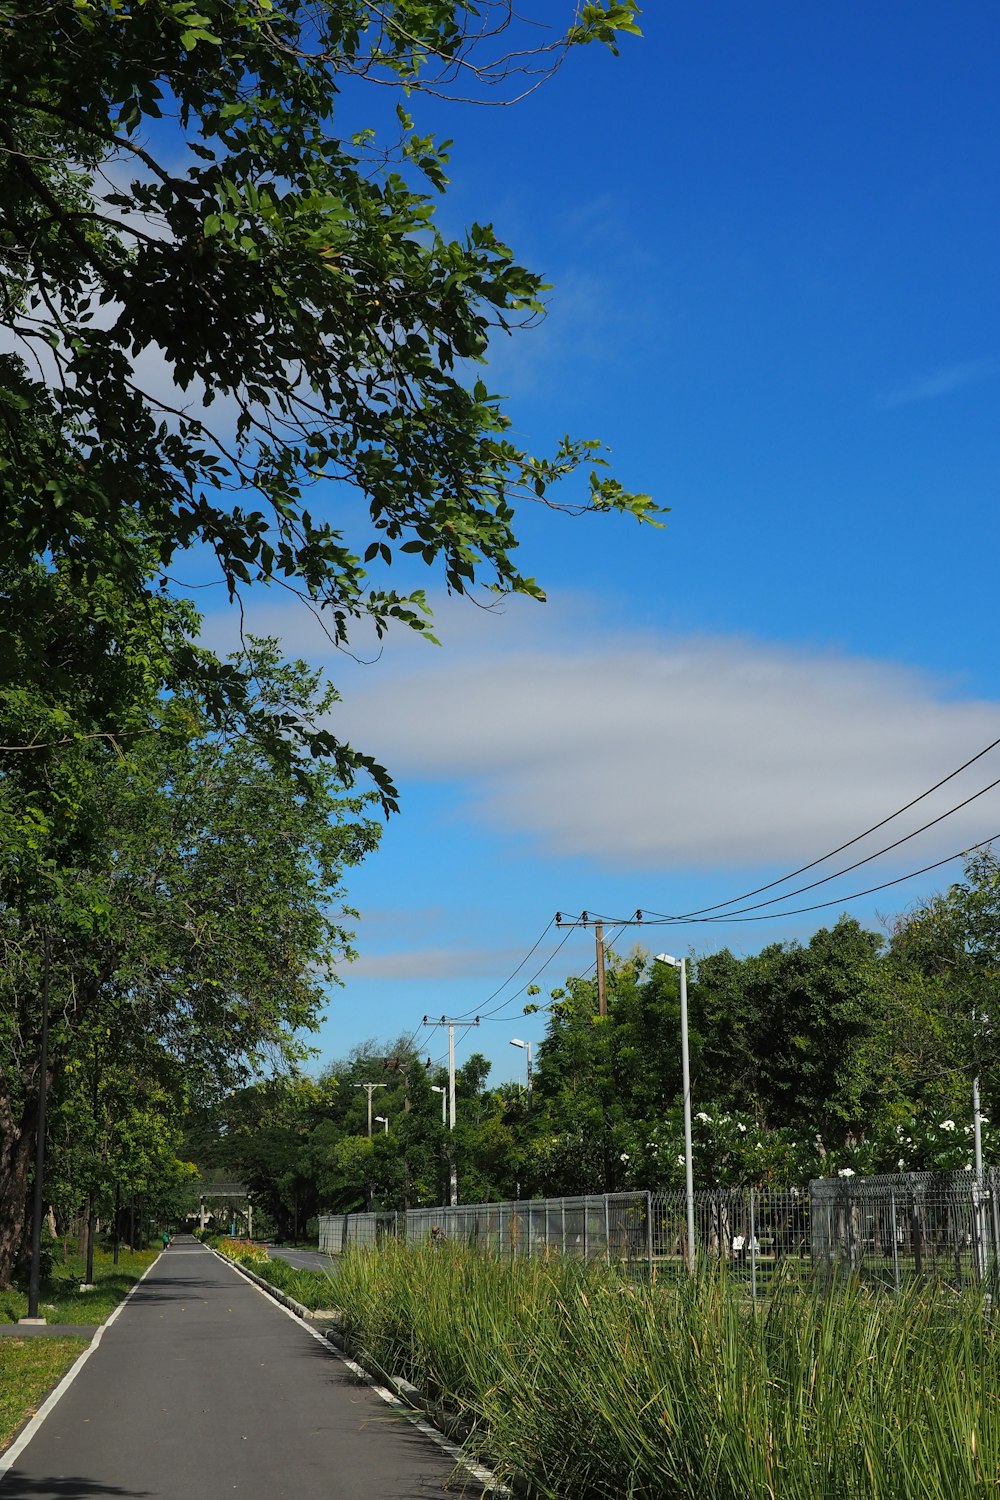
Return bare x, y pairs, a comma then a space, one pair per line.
940, 382
655, 751
431, 963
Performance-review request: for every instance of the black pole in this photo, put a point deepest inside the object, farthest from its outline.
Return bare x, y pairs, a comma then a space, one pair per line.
90, 1240
34, 1281
90, 1201
118, 1209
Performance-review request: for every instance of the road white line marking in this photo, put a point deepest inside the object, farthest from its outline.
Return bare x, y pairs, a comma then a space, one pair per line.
17, 1447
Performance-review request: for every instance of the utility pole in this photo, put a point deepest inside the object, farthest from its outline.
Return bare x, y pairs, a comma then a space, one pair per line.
451, 1024
602, 994
371, 1087
400, 1065
585, 921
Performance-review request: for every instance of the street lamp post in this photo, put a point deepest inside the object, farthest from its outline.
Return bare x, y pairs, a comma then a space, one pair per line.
437, 1088
516, 1042
681, 964
383, 1120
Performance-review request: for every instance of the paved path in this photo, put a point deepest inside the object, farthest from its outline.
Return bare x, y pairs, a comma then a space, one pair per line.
304, 1260
203, 1388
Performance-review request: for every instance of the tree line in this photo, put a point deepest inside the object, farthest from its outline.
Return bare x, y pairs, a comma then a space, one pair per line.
853, 1052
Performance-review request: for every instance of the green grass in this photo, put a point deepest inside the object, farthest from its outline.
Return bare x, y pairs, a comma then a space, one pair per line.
29, 1368
592, 1386
62, 1301
312, 1288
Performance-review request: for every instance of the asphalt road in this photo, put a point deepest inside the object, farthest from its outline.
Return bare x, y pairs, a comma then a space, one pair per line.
304, 1260
204, 1388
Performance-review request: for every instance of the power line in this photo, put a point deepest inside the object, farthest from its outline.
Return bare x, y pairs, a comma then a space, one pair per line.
835, 875
803, 869
641, 920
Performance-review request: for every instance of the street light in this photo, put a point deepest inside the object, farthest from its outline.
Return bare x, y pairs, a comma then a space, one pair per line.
516, 1042
681, 964
383, 1120
436, 1088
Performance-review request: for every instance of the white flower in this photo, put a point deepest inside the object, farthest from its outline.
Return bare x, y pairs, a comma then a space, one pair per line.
680, 1161
741, 1127
947, 1124
984, 1119
968, 1166
705, 1119
624, 1156
901, 1164
846, 1172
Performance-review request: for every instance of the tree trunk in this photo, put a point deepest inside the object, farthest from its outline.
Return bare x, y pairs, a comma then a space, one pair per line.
17, 1150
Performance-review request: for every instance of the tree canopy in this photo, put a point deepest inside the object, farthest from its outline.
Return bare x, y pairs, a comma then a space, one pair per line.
230, 325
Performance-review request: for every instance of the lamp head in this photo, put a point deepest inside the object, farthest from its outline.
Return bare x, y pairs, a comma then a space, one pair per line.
516, 1042
668, 958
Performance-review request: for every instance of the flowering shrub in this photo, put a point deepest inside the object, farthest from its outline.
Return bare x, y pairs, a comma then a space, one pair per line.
245, 1251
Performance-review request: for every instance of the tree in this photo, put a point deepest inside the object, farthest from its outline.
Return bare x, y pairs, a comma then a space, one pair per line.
784, 1034
232, 324
189, 886
945, 963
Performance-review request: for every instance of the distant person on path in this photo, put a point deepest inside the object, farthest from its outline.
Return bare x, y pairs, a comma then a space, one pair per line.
166, 1238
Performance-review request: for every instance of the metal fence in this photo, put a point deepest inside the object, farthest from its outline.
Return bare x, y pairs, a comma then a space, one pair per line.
599, 1226
894, 1228
886, 1229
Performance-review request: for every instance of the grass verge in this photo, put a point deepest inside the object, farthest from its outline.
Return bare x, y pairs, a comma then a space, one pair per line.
313, 1289
29, 1368
61, 1299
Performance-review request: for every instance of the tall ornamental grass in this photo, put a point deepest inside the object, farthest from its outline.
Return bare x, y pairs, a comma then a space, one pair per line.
591, 1386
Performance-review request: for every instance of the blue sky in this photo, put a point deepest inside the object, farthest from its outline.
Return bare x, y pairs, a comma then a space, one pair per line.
772, 236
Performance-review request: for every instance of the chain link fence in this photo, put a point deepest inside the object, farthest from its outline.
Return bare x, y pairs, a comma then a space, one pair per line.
886, 1229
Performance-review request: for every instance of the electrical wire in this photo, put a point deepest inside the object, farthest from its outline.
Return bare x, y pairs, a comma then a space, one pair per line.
803, 869
846, 870
823, 905
533, 949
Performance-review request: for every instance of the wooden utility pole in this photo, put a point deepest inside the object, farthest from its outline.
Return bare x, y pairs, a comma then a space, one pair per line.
602, 994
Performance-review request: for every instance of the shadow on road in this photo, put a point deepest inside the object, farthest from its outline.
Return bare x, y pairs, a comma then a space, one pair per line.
70, 1486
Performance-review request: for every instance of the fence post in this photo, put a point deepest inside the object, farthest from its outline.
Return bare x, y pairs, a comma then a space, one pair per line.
607, 1230
918, 1259
979, 1219
649, 1234
996, 1232
586, 1227
753, 1244
895, 1243
562, 1210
